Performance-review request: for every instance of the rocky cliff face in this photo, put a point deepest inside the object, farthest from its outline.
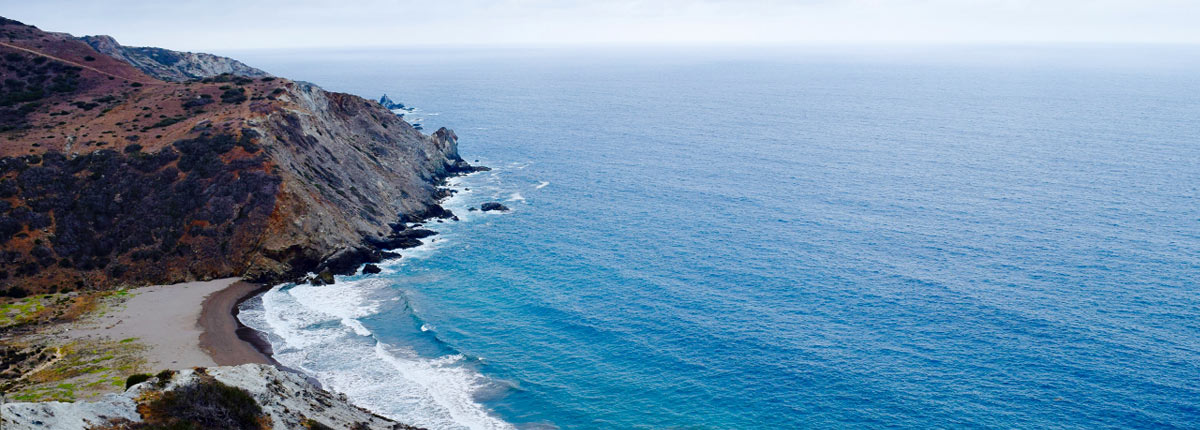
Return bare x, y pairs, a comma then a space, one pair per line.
171, 65
112, 177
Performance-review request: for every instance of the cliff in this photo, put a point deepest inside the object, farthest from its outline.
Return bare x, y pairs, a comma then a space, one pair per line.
111, 175
250, 396
171, 65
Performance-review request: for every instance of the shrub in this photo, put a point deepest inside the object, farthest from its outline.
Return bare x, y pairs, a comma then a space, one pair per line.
135, 379
233, 95
164, 122
16, 292
207, 404
84, 105
164, 378
312, 424
197, 102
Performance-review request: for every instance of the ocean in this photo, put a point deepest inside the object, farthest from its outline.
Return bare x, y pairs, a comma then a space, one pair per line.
900, 237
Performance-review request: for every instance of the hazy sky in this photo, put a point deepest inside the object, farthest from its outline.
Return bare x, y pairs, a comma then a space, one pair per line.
234, 24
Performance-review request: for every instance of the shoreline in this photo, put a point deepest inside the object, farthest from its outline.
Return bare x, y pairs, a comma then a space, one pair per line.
165, 319
223, 336
183, 325
227, 340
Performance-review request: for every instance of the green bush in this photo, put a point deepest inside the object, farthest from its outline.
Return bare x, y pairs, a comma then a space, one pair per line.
164, 377
136, 379
207, 404
233, 95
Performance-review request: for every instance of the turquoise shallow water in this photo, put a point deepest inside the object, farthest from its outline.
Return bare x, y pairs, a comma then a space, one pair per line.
1003, 238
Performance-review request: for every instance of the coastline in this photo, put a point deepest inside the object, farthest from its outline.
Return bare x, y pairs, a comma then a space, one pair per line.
223, 337
184, 325
163, 318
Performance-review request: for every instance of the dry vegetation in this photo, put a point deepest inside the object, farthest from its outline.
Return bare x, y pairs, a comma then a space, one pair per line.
36, 367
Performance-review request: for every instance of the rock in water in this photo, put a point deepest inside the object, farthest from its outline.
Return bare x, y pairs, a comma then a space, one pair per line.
371, 269
493, 206
388, 103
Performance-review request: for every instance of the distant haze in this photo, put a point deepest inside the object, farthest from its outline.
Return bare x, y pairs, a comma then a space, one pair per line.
227, 24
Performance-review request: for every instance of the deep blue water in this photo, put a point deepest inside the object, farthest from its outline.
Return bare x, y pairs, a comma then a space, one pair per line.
941, 238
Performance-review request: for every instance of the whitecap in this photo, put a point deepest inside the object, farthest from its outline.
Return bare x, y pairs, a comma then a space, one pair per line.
315, 330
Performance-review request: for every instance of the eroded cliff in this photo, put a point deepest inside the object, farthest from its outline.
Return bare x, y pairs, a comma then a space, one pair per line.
113, 177
171, 65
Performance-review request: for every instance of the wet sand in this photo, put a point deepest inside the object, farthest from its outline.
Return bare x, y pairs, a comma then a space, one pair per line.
225, 339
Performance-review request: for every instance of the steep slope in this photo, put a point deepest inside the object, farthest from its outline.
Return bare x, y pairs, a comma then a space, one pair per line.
171, 65
111, 177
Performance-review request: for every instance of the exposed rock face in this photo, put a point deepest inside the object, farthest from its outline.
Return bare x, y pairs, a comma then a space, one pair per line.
111, 177
171, 65
285, 398
388, 103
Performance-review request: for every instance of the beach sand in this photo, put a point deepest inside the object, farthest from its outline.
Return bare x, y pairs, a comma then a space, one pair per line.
183, 325
222, 337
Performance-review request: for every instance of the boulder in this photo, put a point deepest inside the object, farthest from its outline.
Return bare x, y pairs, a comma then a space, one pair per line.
493, 206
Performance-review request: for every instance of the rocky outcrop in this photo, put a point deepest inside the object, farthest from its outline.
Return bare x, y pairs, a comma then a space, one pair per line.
389, 103
110, 177
171, 65
493, 206
284, 399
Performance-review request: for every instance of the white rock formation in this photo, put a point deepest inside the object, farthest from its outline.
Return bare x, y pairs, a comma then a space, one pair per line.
287, 398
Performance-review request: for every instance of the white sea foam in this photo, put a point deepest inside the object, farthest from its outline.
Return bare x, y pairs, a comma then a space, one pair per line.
320, 331
541, 185
516, 197
424, 250
315, 330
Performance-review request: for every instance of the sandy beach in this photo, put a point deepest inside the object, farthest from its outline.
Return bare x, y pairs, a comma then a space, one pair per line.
226, 341
183, 325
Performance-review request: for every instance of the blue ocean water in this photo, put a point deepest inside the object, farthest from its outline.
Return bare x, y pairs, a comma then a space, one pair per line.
1003, 237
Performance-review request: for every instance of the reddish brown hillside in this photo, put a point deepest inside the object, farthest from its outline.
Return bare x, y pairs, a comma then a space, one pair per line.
111, 177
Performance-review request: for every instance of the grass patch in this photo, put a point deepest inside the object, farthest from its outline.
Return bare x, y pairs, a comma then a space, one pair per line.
21, 310
84, 369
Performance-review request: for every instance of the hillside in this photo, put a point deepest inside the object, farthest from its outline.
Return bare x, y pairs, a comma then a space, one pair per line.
171, 65
110, 176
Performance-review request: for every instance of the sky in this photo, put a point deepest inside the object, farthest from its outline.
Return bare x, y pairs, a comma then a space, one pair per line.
249, 24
